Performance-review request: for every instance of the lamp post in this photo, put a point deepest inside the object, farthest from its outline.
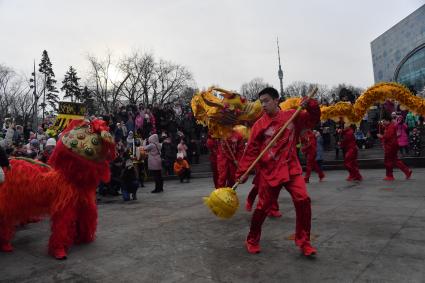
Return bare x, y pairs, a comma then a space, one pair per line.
33, 86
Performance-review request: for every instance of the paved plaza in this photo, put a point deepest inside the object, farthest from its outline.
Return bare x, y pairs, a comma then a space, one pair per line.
368, 232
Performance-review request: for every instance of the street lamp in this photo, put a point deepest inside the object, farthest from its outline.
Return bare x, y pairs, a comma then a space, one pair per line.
35, 105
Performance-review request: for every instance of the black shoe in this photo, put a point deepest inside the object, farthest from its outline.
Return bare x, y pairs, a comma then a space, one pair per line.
157, 191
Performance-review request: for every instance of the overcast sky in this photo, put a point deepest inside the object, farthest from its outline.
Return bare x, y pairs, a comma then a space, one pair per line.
221, 42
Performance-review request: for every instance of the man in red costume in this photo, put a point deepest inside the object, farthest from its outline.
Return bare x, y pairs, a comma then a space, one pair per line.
229, 152
390, 143
349, 147
274, 210
279, 167
212, 145
309, 149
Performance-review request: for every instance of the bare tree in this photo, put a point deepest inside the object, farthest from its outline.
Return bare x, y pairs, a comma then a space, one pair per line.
345, 92
6, 75
106, 91
301, 89
251, 89
170, 82
150, 81
16, 99
141, 71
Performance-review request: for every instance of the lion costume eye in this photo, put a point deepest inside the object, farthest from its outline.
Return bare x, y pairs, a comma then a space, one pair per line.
74, 143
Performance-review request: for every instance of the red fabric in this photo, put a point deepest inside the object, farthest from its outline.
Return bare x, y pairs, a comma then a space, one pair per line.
309, 149
212, 145
67, 193
349, 147
254, 192
279, 167
225, 162
281, 161
267, 195
390, 144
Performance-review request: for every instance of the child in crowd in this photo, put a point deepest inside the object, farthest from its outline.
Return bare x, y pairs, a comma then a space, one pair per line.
130, 183
182, 168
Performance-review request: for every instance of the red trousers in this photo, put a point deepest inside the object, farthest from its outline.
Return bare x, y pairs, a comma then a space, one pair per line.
226, 173
311, 164
215, 171
253, 194
350, 162
267, 195
391, 160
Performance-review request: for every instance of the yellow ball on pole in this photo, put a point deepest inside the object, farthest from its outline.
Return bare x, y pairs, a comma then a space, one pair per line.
223, 202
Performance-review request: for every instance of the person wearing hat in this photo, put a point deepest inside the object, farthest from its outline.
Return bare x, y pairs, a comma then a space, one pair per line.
129, 179
279, 166
182, 168
48, 150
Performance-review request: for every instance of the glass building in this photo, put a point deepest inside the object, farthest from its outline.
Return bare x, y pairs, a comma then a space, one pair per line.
399, 53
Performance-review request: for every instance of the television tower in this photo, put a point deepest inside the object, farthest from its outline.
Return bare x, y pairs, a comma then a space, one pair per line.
280, 72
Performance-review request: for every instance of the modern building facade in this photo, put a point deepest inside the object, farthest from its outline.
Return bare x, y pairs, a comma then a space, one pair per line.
399, 53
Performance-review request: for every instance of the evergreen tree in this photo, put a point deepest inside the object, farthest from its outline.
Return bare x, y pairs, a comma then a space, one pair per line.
70, 85
50, 93
87, 98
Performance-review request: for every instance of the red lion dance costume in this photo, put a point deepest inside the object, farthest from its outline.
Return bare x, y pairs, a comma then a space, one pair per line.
66, 191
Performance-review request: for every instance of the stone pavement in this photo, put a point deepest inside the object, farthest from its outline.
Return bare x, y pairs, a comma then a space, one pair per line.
368, 232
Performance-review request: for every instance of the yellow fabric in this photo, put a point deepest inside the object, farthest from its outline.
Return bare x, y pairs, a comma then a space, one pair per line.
223, 202
179, 166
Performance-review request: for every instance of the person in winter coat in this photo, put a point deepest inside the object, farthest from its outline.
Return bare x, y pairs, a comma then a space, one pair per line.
154, 162
402, 136
168, 154
182, 168
129, 179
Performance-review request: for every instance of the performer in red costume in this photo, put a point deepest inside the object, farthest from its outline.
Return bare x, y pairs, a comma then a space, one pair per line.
389, 141
274, 210
212, 145
279, 167
229, 152
309, 149
349, 147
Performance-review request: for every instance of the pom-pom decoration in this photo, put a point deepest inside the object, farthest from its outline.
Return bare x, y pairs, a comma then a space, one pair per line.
223, 202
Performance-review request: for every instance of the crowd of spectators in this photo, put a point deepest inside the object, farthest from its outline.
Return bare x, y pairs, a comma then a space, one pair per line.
157, 140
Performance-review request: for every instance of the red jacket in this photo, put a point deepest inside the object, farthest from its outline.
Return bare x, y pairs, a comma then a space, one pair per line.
281, 161
389, 139
348, 140
309, 143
